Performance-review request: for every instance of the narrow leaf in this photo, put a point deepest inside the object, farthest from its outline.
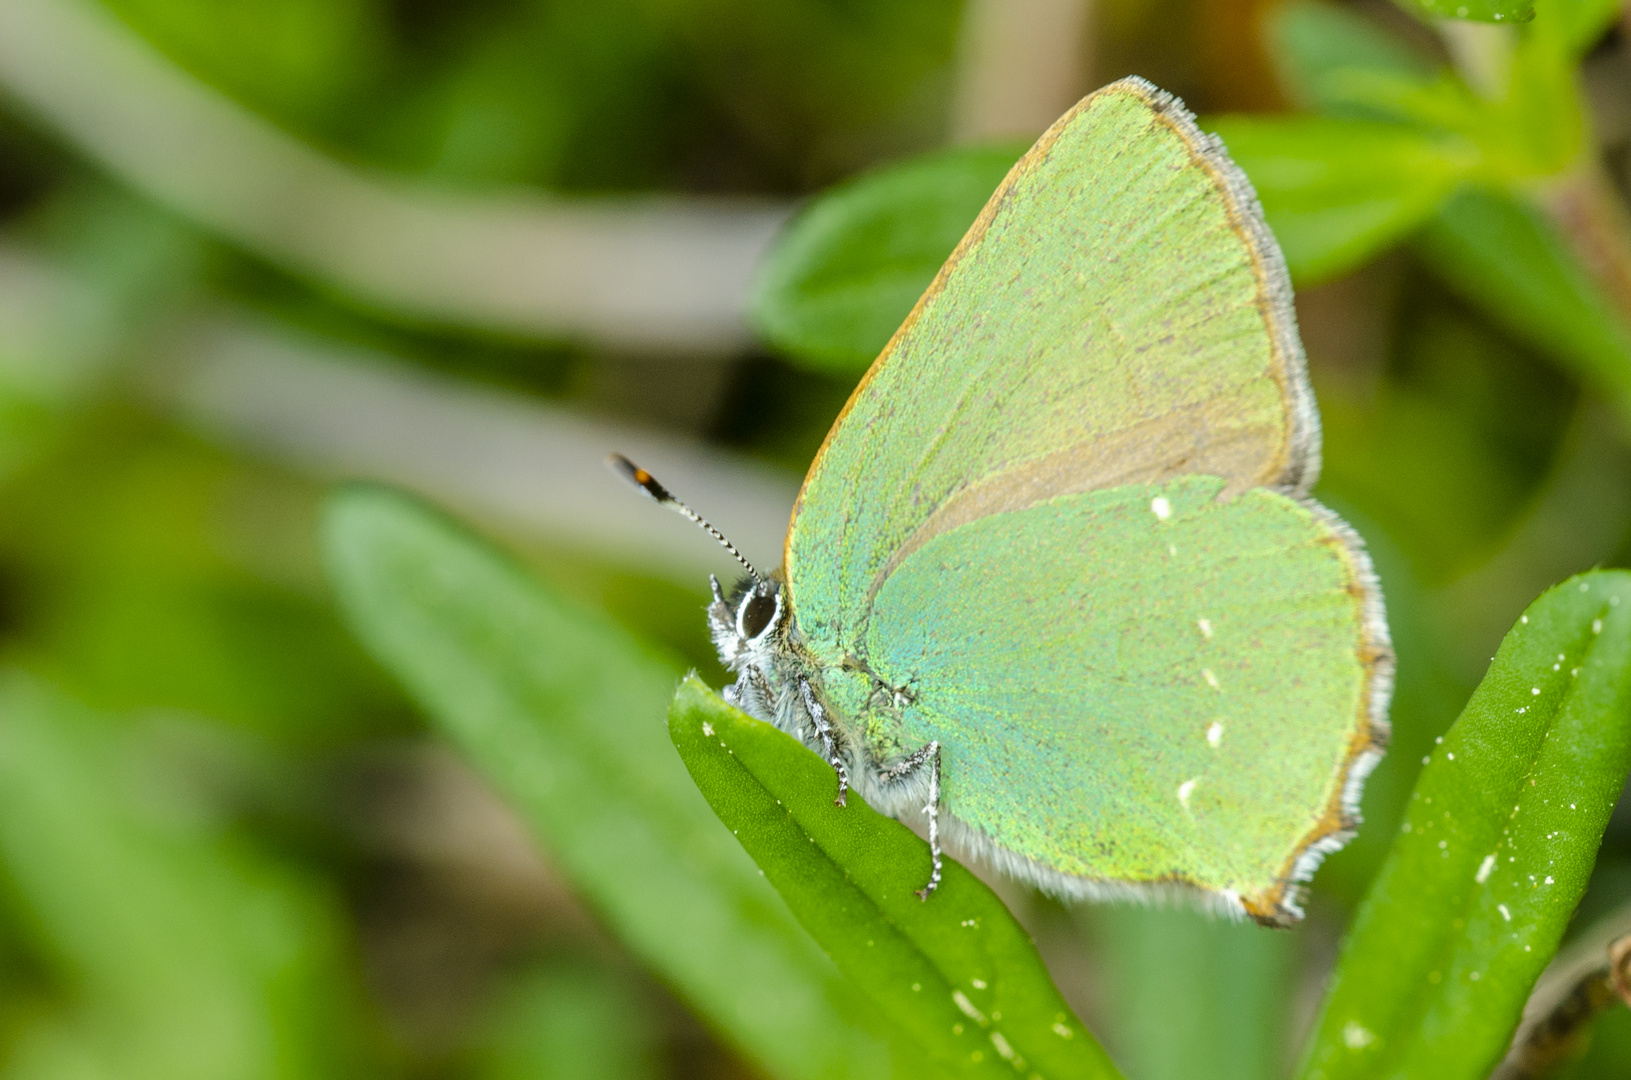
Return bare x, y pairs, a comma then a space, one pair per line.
561, 711
1337, 192
956, 971
1496, 849
1503, 256
1313, 39
1511, 11
190, 957
847, 272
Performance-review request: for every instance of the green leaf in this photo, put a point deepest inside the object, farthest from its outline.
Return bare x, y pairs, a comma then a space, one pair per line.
560, 709
189, 956
1311, 40
1511, 11
956, 971
846, 273
1194, 996
1504, 257
1582, 22
1496, 849
1337, 192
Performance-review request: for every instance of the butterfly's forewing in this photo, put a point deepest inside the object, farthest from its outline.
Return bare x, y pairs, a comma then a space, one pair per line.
1118, 319
1117, 314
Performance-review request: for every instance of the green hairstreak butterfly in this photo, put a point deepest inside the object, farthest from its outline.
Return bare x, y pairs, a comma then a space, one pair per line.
1055, 579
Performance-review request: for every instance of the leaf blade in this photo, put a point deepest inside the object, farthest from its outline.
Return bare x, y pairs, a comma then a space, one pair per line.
1496, 849
847, 271
545, 699
1337, 192
956, 970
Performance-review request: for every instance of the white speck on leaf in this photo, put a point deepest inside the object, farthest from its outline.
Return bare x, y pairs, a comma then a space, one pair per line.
1185, 789
1206, 627
707, 728
1535, 691
1355, 1036
1484, 869
1548, 879
1160, 507
1505, 914
961, 1000
1211, 679
978, 984
1062, 1031
1214, 734
1449, 755
1597, 626
1523, 619
1002, 1045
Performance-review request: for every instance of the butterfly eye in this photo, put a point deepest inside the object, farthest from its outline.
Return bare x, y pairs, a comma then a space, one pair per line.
757, 612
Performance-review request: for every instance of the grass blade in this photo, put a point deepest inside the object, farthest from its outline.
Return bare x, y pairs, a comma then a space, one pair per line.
561, 710
1495, 851
957, 971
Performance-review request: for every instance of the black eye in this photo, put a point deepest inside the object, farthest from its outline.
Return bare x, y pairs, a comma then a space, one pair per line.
756, 614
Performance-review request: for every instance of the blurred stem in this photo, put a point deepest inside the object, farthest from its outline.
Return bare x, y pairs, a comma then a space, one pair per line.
1586, 980
1481, 53
1022, 64
1592, 219
656, 276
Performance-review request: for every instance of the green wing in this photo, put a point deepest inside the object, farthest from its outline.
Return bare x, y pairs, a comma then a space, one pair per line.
1138, 698
980, 530
1118, 313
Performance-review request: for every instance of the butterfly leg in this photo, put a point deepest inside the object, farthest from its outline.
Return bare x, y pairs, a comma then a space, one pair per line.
931, 755
818, 717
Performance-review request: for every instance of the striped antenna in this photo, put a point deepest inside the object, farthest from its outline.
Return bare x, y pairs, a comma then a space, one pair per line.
648, 484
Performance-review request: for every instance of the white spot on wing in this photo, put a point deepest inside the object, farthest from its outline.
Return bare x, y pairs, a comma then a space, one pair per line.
1160, 507
1214, 734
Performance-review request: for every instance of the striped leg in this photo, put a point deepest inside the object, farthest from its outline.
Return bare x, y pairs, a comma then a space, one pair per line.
931, 755
818, 717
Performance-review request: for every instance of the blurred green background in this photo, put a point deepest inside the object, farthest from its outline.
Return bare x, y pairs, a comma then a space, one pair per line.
249, 249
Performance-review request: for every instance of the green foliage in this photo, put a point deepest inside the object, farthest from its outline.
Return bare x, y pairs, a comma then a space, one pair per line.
1495, 851
1502, 255
1337, 190
955, 971
1476, 10
849, 269
192, 879
188, 955
561, 710
1194, 995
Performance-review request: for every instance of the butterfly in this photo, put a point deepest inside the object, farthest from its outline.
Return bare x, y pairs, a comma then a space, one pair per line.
1055, 580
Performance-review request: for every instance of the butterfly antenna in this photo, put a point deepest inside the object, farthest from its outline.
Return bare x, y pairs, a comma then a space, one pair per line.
648, 484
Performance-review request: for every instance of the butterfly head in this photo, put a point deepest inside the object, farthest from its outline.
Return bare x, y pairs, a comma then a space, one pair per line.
747, 620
